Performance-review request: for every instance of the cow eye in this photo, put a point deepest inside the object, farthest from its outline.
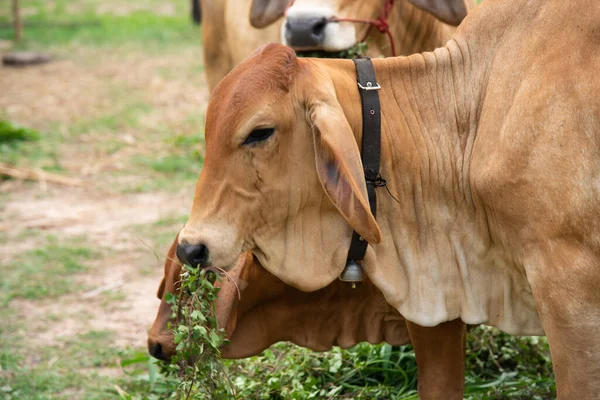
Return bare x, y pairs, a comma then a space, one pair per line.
258, 135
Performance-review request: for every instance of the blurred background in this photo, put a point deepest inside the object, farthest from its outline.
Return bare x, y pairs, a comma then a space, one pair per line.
100, 149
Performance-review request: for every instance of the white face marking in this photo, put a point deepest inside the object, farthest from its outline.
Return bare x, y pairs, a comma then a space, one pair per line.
337, 35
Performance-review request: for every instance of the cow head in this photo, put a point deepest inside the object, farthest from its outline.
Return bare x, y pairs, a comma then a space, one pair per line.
257, 309
282, 175
315, 25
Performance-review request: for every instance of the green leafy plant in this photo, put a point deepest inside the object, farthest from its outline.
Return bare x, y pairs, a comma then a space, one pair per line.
286, 371
197, 363
356, 51
498, 365
502, 366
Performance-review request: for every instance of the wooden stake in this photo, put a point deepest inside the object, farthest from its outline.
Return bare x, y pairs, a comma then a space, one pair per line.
17, 20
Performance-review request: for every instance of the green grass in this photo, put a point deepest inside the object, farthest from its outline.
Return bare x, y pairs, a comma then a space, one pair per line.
512, 367
499, 367
44, 272
19, 143
178, 168
70, 370
123, 117
78, 23
11, 134
43, 153
185, 159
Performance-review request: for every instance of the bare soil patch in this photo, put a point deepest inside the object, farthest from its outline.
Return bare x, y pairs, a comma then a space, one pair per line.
102, 220
60, 91
62, 94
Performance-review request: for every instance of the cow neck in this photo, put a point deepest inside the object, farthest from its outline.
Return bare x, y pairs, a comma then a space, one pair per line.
403, 29
413, 30
430, 102
429, 106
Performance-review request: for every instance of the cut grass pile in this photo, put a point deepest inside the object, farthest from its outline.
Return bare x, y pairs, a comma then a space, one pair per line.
498, 366
503, 367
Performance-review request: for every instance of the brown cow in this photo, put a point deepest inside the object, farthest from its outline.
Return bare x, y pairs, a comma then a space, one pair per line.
270, 311
490, 146
231, 31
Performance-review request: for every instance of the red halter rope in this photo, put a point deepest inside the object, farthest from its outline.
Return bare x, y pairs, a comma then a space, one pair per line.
381, 22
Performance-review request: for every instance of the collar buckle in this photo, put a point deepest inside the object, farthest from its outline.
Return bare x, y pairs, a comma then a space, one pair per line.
369, 86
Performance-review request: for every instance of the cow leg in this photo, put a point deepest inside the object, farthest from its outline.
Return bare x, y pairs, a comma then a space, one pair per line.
565, 280
440, 352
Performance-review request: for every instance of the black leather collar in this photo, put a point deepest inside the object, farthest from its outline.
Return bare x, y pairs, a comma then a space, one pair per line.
371, 145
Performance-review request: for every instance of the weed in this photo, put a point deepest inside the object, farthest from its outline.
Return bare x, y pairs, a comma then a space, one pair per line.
500, 365
356, 51
143, 379
197, 339
497, 364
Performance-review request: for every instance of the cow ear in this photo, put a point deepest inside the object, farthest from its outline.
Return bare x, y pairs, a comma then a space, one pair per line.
265, 12
449, 11
171, 262
339, 168
161, 289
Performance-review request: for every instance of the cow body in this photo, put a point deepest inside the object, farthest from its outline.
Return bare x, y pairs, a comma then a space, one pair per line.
229, 36
490, 147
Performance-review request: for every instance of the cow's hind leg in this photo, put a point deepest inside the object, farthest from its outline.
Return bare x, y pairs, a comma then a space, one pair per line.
565, 279
440, 353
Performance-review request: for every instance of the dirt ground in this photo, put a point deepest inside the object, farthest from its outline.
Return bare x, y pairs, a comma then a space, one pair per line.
71, 212
77, 90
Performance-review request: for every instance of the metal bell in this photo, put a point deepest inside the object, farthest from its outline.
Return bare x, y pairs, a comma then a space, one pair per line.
352, 273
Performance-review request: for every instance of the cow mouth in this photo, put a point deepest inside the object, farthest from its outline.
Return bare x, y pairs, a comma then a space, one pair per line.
357, 50
321, 54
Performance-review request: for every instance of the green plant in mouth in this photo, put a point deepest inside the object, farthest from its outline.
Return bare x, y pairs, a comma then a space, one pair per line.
197, 363
357, 51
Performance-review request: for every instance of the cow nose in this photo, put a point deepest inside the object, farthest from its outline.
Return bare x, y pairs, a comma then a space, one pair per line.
193, 255
156, 351
305, 33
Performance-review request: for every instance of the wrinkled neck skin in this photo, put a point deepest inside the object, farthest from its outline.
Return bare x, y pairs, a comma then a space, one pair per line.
413, 30
337, 315
436, 261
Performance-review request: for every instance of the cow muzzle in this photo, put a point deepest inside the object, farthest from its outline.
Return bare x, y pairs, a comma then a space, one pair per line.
305, 33
161, 347
194, 255
311, 28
